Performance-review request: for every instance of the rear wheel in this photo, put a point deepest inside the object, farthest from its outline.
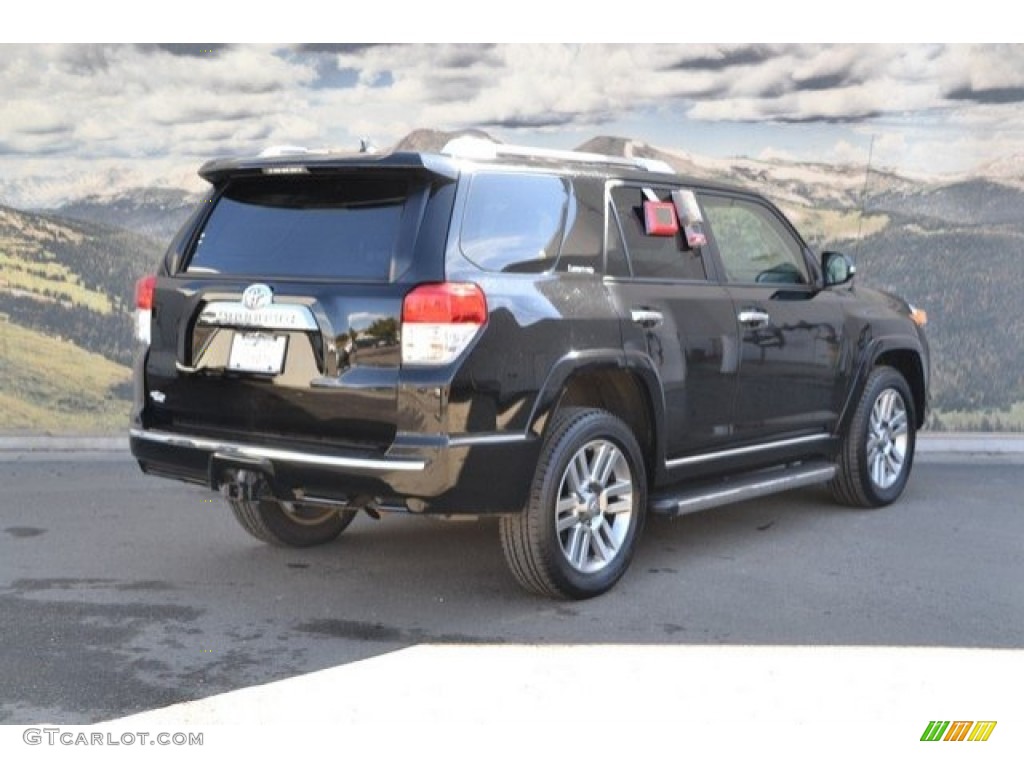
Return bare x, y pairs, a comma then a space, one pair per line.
585, 511
878, 449
285, 524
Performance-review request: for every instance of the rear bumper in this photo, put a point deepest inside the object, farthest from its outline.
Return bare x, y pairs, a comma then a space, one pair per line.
479, 474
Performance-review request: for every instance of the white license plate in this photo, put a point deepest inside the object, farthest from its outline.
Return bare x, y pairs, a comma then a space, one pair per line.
257, 353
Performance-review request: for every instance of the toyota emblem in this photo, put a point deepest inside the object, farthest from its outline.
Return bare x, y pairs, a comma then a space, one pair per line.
257, 296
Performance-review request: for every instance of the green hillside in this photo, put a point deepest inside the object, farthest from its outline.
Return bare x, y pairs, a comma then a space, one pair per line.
73, 280
66, 297
51, 385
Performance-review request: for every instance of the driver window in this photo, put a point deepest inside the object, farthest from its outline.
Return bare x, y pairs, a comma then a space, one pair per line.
753, 244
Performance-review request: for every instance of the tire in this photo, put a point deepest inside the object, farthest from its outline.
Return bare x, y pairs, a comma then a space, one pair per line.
291, 525
586, 508
878, 448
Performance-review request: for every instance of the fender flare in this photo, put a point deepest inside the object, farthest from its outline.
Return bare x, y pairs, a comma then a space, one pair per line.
636, 363
867, 362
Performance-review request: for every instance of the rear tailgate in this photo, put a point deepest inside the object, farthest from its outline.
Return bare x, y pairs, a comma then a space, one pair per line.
283, 318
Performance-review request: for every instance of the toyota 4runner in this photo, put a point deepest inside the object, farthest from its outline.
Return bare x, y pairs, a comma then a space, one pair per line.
564, 340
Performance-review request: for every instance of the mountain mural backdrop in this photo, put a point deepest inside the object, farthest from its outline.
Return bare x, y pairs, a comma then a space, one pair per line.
954, 246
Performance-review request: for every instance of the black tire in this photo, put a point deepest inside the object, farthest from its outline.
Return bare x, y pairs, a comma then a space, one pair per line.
293, 525
585, 511
878, 448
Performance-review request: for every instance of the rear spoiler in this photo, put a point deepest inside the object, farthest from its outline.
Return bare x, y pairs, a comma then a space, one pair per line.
297, 160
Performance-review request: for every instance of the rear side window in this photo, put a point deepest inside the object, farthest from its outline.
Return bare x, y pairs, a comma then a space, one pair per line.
514, 222
304, 226
650, 256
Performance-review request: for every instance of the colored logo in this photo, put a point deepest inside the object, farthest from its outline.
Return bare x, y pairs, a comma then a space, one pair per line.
958, 730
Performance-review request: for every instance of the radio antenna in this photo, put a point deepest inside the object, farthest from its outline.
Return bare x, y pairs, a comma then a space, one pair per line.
864, 197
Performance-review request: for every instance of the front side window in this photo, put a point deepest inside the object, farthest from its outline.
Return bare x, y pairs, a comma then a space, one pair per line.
513, 222
753, 243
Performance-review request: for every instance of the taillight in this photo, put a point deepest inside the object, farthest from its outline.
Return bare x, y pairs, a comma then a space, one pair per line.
439, 320
145, 288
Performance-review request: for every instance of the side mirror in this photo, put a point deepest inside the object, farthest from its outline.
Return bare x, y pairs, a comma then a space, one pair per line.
838, 268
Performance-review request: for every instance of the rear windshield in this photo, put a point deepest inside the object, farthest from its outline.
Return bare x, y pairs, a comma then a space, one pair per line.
304, 226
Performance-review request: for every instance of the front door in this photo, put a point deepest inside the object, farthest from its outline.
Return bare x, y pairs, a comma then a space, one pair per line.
790, 330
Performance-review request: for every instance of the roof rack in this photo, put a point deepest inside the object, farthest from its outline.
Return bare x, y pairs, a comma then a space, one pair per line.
473, 148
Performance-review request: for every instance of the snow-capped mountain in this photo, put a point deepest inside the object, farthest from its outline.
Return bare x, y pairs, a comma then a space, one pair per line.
62, 186
155, 212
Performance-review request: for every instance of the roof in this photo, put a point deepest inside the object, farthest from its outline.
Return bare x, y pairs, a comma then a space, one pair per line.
455, 157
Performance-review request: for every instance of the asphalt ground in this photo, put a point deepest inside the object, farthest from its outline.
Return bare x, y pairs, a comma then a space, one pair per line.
132, 602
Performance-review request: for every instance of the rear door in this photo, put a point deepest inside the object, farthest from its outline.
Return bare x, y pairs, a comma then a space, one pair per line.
680, 318
281, 315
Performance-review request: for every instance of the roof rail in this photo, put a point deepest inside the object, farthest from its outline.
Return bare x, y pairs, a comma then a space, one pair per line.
473, 148
281, 150
285, 150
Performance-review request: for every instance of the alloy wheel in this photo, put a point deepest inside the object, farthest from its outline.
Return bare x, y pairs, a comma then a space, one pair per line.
888, 435
595, 504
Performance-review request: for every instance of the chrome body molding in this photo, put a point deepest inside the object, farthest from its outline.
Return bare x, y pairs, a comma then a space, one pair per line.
705, 457
488, 439
278, 454
278, 317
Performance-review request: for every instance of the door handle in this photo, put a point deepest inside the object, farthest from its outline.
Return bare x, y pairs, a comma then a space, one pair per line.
647, 318
754, 318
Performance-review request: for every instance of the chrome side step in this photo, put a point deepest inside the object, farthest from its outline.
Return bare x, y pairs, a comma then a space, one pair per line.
697, 498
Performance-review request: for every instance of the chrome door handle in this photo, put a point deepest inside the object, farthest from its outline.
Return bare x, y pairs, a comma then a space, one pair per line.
647, 318
754, 318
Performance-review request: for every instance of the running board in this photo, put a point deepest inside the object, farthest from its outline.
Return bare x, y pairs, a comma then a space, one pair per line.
741, 488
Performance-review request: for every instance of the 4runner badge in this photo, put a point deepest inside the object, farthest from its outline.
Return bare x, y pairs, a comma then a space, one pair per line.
257, 296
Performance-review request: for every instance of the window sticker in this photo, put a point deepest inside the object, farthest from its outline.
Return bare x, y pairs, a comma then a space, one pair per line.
686, 207
690, 216
660, 219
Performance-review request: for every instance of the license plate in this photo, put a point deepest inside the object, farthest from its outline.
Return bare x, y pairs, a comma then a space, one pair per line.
257, 353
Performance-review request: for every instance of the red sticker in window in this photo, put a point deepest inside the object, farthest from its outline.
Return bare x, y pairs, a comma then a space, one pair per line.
660, 219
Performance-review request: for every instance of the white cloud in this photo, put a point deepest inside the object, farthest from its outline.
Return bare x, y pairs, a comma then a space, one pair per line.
122, 104
125, 101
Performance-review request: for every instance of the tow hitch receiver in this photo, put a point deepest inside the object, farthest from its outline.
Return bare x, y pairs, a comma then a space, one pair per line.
240, 479
243, 485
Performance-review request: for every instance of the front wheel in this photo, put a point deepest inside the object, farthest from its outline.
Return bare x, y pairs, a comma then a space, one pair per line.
585, 511
291, 525
878, 448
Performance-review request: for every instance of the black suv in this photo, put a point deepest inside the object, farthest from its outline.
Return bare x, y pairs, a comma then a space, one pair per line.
565, 340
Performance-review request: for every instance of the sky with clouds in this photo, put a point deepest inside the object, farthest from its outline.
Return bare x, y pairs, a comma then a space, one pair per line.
158, 110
